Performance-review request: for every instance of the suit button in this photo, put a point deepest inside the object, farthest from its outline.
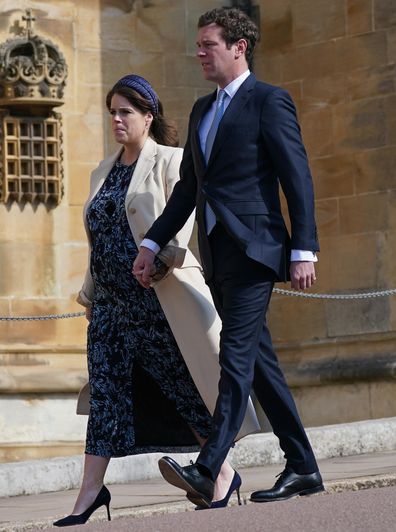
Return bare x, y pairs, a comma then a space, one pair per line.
132, 211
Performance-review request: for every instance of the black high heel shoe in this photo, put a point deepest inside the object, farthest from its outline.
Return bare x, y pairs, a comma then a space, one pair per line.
234, 486
102, 499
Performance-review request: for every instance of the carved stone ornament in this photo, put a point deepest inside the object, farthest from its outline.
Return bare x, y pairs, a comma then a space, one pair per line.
32, 69
33, 76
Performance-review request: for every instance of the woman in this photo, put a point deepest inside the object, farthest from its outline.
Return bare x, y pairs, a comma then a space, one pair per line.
142, 394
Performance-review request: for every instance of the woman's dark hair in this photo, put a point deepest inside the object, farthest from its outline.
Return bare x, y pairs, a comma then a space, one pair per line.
161, 130
236, 25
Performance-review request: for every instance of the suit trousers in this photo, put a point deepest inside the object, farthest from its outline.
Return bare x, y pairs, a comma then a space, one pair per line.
241, 290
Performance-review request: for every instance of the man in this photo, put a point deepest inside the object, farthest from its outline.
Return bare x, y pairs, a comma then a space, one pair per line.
243, 141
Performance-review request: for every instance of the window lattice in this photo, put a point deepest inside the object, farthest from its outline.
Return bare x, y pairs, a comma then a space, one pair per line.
31, 159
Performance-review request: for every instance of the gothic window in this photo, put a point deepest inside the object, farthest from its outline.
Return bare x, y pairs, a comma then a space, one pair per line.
31, 166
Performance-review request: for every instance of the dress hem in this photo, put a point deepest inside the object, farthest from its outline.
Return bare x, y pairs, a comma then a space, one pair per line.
147, 450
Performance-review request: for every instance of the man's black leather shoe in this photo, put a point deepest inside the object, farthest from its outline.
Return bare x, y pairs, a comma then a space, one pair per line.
199, 488
288, 485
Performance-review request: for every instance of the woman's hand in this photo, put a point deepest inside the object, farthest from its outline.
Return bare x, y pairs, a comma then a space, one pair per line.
143, 267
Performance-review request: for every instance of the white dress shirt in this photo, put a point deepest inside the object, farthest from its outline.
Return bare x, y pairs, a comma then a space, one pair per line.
204, 126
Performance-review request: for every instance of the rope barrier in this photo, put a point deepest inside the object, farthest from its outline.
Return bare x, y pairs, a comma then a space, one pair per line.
280, 291
44, 317
363, 295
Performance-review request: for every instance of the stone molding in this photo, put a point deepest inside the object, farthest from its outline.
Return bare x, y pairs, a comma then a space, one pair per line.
346, 439
54, 369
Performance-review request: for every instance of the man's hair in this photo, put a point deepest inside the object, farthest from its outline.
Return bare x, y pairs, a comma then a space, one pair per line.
235, 25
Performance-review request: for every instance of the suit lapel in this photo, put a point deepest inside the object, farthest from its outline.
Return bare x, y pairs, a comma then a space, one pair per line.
204, 106
232, 113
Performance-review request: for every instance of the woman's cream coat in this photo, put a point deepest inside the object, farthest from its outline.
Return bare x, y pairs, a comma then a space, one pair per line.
183, 294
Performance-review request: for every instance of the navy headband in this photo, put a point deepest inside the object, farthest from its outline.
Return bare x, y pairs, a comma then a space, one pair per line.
143, 87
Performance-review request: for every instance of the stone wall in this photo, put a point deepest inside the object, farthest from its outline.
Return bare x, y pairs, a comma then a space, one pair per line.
337, 59
43, 251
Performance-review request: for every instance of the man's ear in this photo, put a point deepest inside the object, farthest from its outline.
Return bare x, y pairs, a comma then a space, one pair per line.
240, 47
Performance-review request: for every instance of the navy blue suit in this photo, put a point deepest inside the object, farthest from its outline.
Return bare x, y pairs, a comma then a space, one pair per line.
257, 147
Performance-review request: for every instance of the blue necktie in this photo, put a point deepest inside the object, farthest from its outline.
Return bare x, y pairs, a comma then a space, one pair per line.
215, 124
210, 217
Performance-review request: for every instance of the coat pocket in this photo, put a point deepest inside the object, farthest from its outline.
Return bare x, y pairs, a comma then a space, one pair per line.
253, 214
247, 207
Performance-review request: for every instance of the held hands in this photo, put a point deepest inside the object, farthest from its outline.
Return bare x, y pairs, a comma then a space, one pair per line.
302, 274
143, 267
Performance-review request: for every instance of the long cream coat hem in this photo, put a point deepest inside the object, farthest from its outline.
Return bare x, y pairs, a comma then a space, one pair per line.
183, 294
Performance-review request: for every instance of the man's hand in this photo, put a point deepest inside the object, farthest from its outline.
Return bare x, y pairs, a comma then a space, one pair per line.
143, 267
302, 274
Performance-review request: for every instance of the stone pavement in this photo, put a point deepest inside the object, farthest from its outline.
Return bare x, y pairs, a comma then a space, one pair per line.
155, 496
370, 510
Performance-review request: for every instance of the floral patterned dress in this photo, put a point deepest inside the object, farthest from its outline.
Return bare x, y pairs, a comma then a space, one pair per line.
143, 398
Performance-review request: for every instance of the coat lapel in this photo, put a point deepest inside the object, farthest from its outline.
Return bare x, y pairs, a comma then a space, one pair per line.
101, 172
144, 165
98, 177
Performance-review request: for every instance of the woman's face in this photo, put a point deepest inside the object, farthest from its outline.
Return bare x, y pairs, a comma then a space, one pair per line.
130, 126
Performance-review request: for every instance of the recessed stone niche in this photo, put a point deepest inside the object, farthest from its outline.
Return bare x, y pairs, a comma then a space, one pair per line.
33, 76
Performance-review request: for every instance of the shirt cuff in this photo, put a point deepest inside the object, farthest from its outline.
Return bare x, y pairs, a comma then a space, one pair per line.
300, 255
150, 244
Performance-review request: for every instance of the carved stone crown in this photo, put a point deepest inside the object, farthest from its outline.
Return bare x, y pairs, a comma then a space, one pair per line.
32, 70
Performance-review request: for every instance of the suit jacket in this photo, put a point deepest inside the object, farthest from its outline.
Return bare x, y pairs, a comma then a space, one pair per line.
257, 147
183, 294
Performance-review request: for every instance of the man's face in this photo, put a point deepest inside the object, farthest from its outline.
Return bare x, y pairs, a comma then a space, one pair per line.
217, 61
